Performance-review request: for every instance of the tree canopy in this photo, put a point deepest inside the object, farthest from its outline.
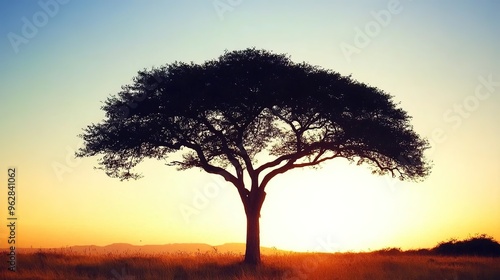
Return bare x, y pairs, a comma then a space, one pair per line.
228, 110
224, 113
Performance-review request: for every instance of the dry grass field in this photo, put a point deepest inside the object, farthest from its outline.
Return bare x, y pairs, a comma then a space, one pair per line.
51, 264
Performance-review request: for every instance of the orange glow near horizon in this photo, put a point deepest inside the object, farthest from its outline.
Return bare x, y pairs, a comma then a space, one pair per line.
340, 207
54, 85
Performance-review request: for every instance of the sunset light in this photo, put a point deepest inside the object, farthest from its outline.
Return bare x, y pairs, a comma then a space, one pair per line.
62, 60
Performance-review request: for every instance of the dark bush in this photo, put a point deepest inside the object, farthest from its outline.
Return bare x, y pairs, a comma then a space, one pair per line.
480, 245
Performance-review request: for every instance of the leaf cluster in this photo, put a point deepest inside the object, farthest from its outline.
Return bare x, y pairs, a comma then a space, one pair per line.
226, 111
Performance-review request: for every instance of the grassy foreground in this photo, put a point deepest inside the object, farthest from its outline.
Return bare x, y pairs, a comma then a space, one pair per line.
50, 264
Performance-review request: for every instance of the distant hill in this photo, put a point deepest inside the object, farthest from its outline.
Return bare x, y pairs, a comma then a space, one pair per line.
125, 248
479, 245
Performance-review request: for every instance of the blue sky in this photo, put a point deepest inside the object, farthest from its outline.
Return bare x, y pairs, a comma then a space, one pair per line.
430, 55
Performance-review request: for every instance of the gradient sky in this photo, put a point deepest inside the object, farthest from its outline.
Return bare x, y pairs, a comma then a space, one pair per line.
440, 60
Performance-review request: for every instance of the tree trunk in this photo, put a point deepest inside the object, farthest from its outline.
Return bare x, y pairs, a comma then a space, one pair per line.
252, 252
252, 210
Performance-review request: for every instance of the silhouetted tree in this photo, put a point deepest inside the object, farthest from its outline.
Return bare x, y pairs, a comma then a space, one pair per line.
223, 113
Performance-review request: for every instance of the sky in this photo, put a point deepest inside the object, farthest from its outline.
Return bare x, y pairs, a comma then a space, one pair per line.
60, 59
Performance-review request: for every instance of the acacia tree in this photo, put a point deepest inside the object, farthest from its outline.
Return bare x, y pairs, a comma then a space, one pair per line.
226, 112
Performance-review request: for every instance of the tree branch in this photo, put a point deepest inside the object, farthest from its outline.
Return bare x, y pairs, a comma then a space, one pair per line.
275, 162
279, 170
315, 162
306, 151
227, 151
211, 168
291, 165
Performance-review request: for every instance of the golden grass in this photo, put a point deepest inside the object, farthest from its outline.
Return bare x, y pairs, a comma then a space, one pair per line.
51, 264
